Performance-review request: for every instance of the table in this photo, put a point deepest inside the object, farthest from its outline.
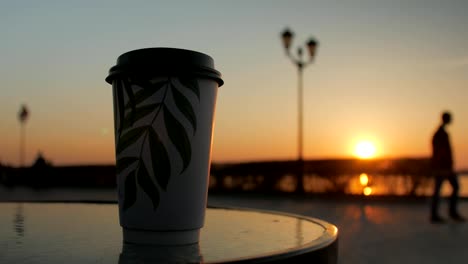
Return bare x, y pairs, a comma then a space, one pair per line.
90, 233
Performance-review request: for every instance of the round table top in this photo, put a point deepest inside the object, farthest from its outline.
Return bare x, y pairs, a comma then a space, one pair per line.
90, 233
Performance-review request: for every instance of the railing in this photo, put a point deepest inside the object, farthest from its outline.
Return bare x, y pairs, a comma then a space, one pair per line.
405, 176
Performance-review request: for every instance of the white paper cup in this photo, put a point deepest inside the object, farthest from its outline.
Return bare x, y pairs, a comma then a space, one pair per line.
133, 253
164, 102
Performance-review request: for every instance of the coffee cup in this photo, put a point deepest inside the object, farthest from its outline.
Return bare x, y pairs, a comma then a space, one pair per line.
164, 102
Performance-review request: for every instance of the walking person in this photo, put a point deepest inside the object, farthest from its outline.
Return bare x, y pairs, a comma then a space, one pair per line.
442, 166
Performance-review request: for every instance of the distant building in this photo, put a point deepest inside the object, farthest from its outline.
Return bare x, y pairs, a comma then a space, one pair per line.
41, 162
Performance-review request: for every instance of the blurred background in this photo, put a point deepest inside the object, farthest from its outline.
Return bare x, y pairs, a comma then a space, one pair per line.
382, 74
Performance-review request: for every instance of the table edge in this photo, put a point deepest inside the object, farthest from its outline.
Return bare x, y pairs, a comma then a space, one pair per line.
328, 239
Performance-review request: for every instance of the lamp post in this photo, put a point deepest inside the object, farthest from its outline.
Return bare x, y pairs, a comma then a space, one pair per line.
287, 37
23, 115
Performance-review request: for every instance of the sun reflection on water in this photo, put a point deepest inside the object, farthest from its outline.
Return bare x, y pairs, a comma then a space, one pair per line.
367, 191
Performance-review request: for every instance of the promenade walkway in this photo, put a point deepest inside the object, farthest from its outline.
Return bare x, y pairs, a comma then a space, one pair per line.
374, 231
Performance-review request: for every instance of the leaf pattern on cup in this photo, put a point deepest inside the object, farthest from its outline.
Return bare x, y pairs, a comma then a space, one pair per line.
130, 132
129, 190
120, 101
124, 163
159, 159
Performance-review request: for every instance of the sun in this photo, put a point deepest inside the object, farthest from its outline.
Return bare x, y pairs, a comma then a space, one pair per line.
365, 150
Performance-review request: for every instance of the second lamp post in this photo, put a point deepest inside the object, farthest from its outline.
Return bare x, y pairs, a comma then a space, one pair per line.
287, 37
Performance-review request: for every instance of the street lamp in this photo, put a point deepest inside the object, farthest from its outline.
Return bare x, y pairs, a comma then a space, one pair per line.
23, 115
287, 38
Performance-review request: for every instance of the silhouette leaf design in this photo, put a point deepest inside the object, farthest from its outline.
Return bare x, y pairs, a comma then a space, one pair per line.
192, 84
160, 160
120, 105
147, 185
152, 182
131, 99
130, 191
129, 138
124, 163
184, 106
148, 90
178, 136
140, 112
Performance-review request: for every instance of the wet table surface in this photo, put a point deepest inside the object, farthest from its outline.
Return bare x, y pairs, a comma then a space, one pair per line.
90, 233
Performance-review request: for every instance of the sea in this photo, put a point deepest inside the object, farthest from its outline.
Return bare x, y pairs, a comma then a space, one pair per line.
374, 186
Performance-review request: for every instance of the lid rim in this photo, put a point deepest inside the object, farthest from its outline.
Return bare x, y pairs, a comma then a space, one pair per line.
208, 73
151, 61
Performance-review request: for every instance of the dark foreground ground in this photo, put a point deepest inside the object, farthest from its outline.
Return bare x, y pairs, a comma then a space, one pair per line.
370, 230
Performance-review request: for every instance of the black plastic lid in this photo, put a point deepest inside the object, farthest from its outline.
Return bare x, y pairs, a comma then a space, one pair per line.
149, 61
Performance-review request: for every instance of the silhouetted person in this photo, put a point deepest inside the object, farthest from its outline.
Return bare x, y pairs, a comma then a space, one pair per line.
442, 165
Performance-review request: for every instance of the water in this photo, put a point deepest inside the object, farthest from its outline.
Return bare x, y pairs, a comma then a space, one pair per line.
380, 185
377, 184
397, 185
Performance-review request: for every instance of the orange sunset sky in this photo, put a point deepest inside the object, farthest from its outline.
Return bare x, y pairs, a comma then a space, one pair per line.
384, 71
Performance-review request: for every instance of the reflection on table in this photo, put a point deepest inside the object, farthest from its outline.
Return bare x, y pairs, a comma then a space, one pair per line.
90, 233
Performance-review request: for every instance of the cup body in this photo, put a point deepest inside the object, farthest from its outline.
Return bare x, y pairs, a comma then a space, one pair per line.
163, 135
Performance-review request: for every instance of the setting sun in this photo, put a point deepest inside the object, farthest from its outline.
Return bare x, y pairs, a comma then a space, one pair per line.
365, 150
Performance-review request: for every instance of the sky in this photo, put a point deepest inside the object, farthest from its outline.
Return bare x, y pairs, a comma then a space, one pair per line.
383, 72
